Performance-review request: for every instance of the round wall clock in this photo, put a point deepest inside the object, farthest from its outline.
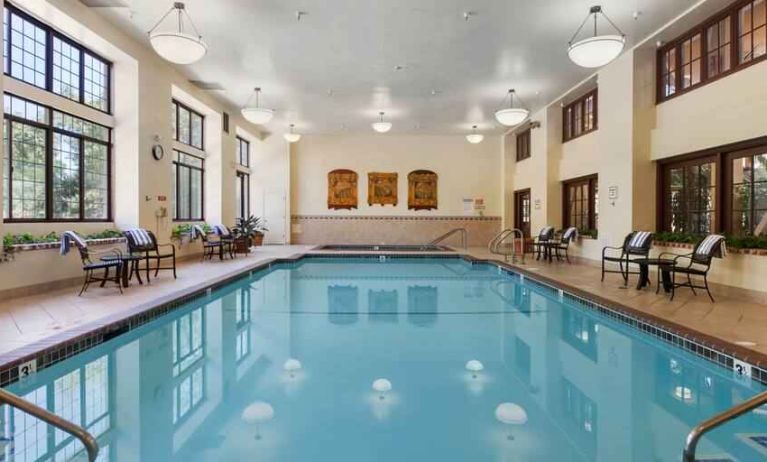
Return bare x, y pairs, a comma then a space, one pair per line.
158, 152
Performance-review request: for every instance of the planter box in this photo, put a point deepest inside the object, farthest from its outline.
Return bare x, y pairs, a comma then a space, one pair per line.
57, 244
688, 247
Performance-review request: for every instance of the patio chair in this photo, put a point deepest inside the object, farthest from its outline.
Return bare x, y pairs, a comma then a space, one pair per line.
209, 247
143, 242
697, 263
542, 241
636, 244
91, 262
226, 238
569, 235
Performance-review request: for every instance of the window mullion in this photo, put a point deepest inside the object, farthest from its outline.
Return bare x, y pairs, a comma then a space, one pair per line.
49, 168
81, 156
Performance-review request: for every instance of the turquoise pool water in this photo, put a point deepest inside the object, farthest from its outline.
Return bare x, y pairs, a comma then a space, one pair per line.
198, 384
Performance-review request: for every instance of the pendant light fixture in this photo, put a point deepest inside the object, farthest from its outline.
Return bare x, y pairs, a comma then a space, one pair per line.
512, 115
256, 114
177, 45
474, 137
291, 137
381, 126
598, 50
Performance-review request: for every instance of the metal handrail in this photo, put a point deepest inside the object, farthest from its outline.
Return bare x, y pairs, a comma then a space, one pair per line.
90, 443
462, 231
501, 237
688, 455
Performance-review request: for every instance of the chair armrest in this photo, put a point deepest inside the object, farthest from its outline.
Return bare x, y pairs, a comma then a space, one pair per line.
172, 246
606, 248
685, 256
102, 253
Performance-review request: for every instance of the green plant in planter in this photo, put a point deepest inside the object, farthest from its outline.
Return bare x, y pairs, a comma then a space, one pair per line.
251, 228
186, 230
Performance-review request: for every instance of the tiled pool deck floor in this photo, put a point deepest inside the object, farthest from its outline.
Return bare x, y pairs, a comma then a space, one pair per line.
34, 321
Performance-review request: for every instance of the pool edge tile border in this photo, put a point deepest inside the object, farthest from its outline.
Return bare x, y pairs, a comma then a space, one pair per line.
62, 346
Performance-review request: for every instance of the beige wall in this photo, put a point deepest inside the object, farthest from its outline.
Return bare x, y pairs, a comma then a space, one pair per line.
465, 171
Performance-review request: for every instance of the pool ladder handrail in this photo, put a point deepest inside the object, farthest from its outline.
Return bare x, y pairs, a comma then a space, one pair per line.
691, 444
495, 243
90, 443
464, 237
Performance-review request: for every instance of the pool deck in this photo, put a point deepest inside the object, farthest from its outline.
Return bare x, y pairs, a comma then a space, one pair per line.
738, 319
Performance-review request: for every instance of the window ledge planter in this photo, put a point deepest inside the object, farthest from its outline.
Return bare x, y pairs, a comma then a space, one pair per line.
55, 245
730, 250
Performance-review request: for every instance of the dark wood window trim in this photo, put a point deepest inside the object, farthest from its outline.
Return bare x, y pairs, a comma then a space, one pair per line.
243, 147
243, 179
735, 65
50, 34
524, 146
575, 116
592, 183
50, 130
177, 108
722, 157
180, 167
523, 211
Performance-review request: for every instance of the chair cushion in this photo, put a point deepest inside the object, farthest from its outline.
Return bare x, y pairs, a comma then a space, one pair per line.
102, 264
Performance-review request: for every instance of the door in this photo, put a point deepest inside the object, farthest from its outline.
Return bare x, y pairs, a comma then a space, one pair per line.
522, 211
274, 216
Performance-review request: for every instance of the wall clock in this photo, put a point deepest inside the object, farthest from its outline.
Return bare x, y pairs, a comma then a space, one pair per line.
158, 152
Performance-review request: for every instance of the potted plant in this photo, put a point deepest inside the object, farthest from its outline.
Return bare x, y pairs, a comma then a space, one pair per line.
250, 231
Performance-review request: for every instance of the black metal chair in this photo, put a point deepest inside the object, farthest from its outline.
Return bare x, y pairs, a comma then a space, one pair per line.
697, 263
568, 235
636, 244
209, 247
90, 266
542, 241
143, 242
226, 237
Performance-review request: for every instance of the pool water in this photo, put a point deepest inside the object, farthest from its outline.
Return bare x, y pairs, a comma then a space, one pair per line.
199, 384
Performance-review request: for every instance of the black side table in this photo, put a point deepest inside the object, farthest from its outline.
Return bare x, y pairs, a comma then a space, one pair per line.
663, 264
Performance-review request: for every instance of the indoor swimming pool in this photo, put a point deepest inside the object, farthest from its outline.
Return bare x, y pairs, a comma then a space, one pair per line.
385, 359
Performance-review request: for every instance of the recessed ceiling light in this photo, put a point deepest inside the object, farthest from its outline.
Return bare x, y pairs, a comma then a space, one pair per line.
399, 67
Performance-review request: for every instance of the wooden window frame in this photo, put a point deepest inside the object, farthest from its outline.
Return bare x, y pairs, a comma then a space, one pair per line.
177, 172
50, 33
178, 106
593, 186
722, 156
50, 130
575, 111
243, 178
240, 143
524, 144
702, 28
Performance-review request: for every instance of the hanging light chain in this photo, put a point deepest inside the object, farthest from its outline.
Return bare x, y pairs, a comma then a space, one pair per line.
180, 10
595, 11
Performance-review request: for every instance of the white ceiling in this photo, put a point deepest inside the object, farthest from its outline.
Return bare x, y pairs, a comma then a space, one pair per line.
334, 70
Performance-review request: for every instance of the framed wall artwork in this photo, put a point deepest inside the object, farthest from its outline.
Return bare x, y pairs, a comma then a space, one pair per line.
422, 190
342, 189
382, 188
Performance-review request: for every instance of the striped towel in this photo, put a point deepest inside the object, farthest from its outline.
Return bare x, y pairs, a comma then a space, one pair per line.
546, 233
570, 233
222, 231
197, 231
140, 236
69, 238
639, 240
713, 245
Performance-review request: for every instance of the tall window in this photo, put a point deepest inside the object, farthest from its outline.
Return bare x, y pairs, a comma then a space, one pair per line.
36, 54
690, 196
581, 199
727, 42
187, 125
188, 173
580, 116
523, 145
242, 194
56, 166
748, 192
243, 152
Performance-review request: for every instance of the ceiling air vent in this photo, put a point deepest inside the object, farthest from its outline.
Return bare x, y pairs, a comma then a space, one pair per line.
105, 3
207, 86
